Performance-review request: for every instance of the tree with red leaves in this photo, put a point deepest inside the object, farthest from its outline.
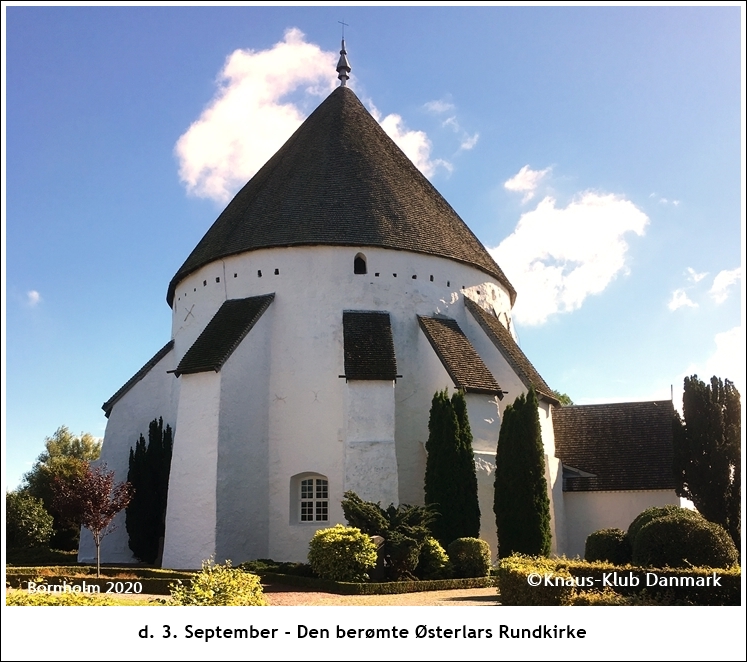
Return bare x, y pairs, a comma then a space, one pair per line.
93, 500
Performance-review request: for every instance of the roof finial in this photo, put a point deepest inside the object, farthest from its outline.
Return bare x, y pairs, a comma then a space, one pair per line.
343, 66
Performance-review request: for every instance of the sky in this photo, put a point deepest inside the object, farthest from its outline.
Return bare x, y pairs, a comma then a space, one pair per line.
595, 151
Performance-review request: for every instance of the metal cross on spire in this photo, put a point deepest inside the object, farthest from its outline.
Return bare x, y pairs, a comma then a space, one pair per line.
343, 66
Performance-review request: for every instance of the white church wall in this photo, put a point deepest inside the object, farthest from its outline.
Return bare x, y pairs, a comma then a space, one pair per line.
313, 285
370, 457
485, 469
154, 396
191, 509
586, 512
242, 491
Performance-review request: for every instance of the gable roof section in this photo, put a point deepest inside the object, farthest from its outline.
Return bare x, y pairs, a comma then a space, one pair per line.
150, 364
462, 362
340, 180
369, 346
503, 340
627, 446
223, 334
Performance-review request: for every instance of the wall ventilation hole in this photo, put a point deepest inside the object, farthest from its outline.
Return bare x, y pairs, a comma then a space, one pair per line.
235, 275
395, 275
478, 292
259, 273
376, 274
204, 282
431, 278
217, 279
448, 283
414, 277
195, 289
277, 272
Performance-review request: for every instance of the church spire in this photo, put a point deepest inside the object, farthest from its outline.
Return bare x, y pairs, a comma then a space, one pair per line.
343, 66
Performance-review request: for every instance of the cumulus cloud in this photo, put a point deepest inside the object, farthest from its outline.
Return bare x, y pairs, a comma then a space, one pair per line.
262, 98
694, 276
680, 300
415, 144
249, 118
526, 181
557, 256
722, 283
468, 142
33, 298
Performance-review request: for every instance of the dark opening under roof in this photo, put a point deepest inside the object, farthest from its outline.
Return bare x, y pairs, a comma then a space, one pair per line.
369, 346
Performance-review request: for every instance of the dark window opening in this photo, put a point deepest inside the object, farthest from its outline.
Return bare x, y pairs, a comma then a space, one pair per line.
277, 272
217, 279
359, 264
431, 278
259, 273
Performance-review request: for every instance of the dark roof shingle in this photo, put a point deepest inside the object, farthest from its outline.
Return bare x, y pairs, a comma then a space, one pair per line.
626, 446
462, 362
369, 346
107, 406
503, 340
340, 180
223, 334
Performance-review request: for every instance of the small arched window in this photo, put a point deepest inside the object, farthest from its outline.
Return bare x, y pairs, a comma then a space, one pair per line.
309, 498
359, 264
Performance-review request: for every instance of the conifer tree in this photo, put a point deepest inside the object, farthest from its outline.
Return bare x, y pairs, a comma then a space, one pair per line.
521, 506
149, 475
450, 479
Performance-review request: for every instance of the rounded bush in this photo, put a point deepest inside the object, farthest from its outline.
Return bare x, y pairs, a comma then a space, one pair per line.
655, 513
342, 553
27, 523
470, 557
433, 562
680, 541
609, 545
219, 585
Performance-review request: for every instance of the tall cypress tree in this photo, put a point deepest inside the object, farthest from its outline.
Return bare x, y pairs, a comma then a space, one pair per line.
521, 506
149, 475
450, 478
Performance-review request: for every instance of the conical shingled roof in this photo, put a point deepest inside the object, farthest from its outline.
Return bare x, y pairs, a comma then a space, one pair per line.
340, 180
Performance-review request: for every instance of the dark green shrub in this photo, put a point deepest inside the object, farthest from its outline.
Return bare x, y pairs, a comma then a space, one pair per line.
679, 542
470, 557
654, 513
433, 562
608, 545
342, 553
219, 585
27, 522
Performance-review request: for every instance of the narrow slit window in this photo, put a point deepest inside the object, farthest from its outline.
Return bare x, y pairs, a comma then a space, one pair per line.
359, 264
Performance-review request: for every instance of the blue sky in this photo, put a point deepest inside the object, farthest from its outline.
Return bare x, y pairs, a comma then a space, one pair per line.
595, 151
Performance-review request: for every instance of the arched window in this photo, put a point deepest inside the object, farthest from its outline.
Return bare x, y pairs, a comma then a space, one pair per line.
359, 264
310, 498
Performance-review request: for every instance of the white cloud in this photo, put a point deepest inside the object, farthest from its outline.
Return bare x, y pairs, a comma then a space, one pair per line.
726, 362
694, 276
415, 144
556, 257
439, 106
33, 298
722, 282
679, 300
526, 181
251, 116
248, 119
468, 142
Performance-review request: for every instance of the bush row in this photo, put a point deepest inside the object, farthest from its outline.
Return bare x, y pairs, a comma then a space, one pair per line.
572, 577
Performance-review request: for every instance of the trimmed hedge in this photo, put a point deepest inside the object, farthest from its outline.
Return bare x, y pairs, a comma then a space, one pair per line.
656, 512
433, 562
383, 588
342, 553
611, 545
470, 557
682, 542
514, 589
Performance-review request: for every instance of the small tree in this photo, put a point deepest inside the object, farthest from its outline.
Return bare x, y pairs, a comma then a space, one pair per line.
27, 523
521, 506
707, 451
450, 477
93, 500
149, 476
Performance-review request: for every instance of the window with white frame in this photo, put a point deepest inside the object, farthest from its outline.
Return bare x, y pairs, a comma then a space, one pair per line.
313, 500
